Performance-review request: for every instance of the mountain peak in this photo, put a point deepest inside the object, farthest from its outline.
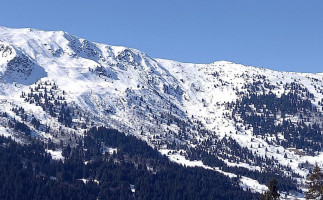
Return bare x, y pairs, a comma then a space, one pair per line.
222, 113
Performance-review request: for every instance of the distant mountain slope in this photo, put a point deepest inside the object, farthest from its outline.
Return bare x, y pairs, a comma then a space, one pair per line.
124, 173
236, 119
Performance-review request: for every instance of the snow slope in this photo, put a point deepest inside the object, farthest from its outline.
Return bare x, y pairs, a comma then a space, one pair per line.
161, 101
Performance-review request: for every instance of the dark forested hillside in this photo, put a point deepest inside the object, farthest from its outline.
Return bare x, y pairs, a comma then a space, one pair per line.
28, 172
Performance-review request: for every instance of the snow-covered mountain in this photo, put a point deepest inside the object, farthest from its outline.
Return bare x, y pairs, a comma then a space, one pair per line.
220, 116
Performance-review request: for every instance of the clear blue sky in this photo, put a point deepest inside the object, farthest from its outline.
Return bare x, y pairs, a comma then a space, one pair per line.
278, 34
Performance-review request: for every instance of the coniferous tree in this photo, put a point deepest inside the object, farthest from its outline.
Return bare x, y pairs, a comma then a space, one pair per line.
315, 181
272, 193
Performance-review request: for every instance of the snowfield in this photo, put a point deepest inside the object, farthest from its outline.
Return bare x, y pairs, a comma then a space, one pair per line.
128, 90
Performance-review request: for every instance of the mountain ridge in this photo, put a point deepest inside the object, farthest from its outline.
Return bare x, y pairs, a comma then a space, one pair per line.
64, 33
187, 111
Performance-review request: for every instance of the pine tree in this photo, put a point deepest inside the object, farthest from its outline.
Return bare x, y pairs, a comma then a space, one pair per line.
315, 184
272, 193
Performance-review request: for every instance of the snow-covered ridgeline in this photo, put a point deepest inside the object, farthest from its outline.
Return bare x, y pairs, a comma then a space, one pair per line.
136, 94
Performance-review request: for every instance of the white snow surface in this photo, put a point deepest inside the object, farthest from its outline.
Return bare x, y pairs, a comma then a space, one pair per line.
254, 185
128, 90
56, 155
